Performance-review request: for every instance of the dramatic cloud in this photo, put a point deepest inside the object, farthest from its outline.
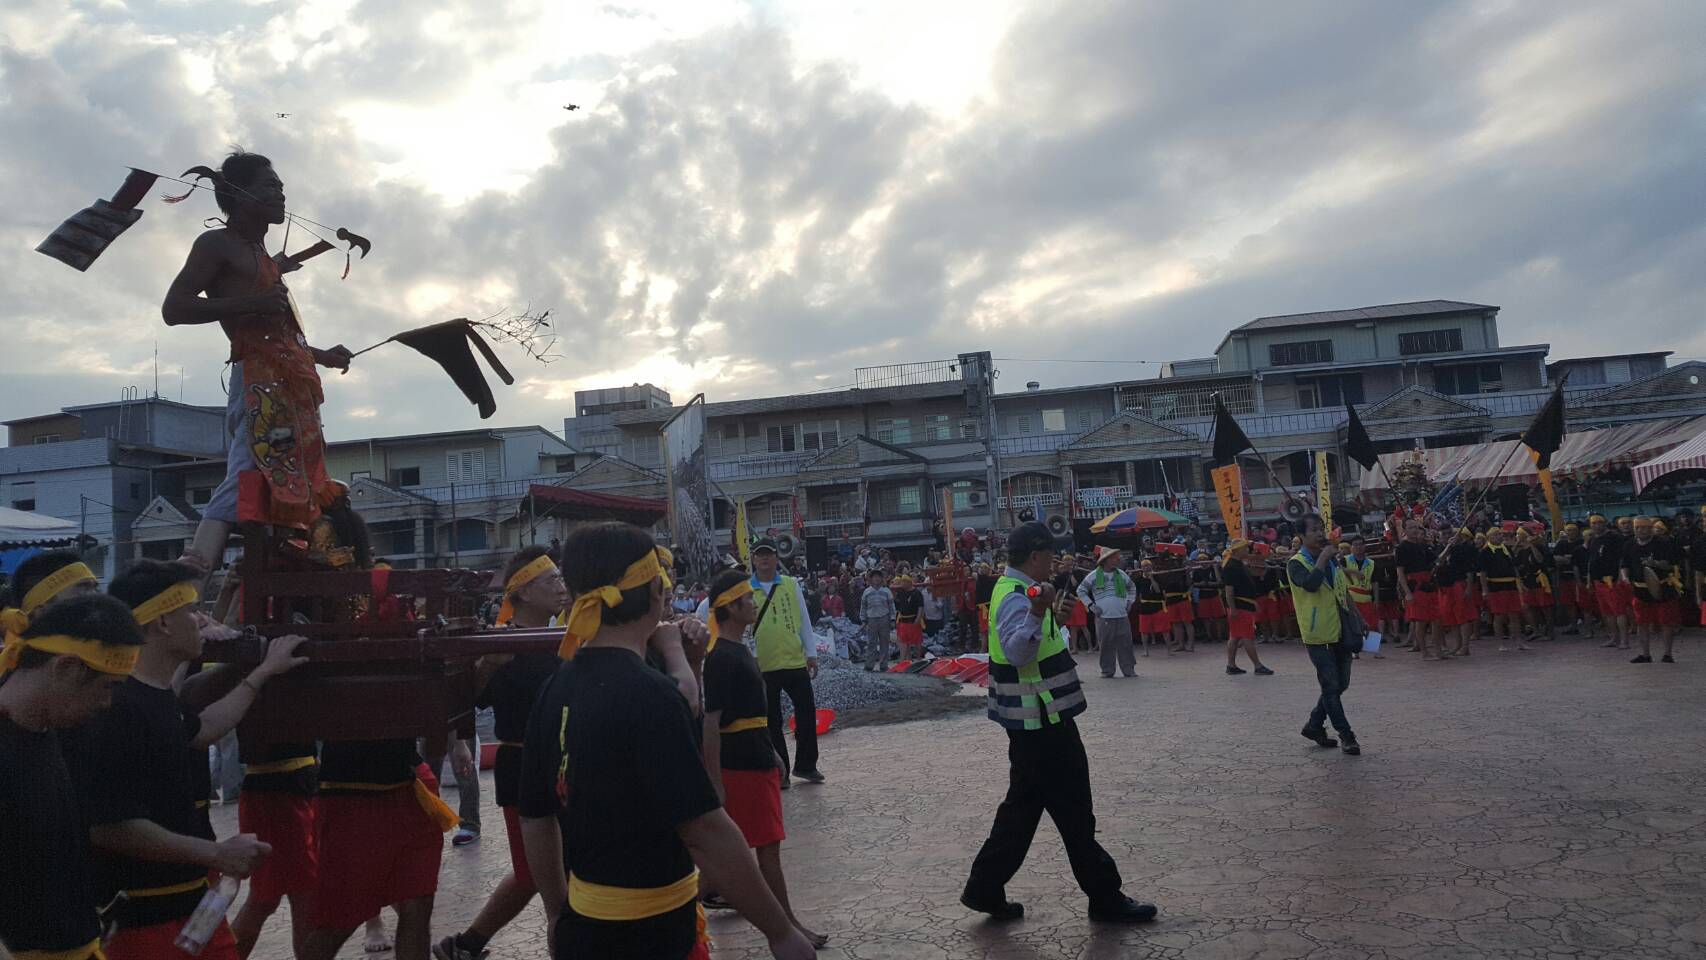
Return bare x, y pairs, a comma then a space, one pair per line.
756, 199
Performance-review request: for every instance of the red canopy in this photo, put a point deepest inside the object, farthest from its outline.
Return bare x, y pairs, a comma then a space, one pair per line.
587, 505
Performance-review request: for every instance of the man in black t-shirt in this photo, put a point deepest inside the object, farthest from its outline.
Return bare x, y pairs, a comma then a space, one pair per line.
615, 802
55, 674
141, 771
534, 592
1610, 591
1415, 560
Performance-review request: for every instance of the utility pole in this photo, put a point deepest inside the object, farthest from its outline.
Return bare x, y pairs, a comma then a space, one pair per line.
977, 372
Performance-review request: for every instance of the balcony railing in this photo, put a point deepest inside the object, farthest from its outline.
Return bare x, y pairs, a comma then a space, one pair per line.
1031, 500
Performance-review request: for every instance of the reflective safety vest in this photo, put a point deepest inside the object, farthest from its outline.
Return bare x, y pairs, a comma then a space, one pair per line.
1042, 692
1359, 579
778, 637
1317, 610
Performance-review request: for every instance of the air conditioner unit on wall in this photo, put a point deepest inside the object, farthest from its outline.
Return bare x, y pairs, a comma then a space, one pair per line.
978, 498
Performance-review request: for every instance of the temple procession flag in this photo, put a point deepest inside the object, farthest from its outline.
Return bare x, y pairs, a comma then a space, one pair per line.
1358, 445
1229, 438
743, 536
1228, 489
1323, 489
1543, 438
1229, 441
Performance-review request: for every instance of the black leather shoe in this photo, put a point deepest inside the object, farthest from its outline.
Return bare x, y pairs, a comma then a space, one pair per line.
1353, 748
1319, 736
809, 776
1125, 910
998, 908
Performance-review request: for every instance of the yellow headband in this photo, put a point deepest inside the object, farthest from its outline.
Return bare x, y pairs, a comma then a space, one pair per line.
55, 584
587, 615
178, 595
522, 578
117, 660
1596, 518
732, 594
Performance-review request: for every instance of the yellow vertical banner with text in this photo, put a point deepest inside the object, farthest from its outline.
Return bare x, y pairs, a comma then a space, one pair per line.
1323, 489
1229, 491
1551, 497
743, 538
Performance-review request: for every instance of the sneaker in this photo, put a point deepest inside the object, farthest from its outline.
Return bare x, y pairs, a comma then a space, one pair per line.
1264, 672
1643, 658
810, 776
1234, 671
998, 908
1319, 736
1667, 658
1124, 910
464, 837
449, 949
1352, 748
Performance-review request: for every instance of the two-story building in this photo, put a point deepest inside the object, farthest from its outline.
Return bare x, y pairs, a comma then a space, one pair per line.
102, 464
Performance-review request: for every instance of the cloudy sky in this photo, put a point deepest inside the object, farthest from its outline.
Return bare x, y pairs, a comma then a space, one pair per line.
757, 197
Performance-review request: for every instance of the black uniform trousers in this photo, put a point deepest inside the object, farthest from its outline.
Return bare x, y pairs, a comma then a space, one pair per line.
796, 682
1047, 771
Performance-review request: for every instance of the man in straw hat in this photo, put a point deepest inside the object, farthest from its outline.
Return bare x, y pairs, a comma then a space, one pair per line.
1108, 594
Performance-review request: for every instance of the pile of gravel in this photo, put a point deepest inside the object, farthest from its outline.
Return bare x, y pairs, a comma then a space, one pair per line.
842, 685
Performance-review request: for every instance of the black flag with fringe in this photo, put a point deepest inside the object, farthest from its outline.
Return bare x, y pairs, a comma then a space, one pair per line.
1229, 438
1358, 446
447, 344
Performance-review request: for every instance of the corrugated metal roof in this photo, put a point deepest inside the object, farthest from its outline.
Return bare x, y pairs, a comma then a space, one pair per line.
1383, 311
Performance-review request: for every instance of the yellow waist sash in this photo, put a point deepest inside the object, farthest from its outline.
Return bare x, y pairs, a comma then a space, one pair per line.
741, 726
599, 902
278, 766
442, 816
175, 888
509, 743
88, 951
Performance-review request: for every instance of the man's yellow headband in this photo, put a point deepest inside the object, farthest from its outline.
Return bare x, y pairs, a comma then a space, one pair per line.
727, 597
55, 584
587, 615
178, 595
521, 578
118, 660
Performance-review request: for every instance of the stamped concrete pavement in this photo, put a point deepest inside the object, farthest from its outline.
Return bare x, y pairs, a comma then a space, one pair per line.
1541, 805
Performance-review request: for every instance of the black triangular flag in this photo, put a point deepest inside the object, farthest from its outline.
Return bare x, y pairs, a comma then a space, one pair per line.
1358, 446
1546, 434
447, 344
1229, 439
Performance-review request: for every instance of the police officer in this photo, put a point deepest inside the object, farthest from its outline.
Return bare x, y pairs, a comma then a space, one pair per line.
1034, 693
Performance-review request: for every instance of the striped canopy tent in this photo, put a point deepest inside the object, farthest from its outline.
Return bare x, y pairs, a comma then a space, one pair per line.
1583, 453
1689, 456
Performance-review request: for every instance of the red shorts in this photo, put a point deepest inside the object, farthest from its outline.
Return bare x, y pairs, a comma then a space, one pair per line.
375, 850
753, 799
517, 849
1391, 610
1503, 602
1154, 622
909, 634
1662, 613
1267, 608
1287, 606
1241, 625
159, 942
1609, 600
1179, 612
1537, 599
286, 821
1211, 608
1370, 614
1076, 617
1423, 607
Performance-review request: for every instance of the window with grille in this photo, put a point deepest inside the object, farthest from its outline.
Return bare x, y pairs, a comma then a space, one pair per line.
405, 476
465, 466
1101, 475
820, 434
937, 427
1054, 421
1305, 351
967, 495
781, 439
1034, 485
1430, 341
1086, 421
895, 430
968, 428
898, 501
46, 438
1021, 425
835, 508
781, 513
